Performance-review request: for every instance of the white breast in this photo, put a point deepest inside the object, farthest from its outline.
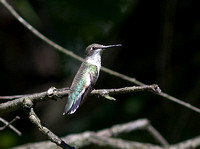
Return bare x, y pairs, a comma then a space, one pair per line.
95, 60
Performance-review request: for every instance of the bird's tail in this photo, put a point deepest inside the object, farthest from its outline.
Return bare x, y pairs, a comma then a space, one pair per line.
72, 104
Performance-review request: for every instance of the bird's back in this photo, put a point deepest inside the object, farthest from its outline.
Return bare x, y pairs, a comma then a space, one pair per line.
81, 86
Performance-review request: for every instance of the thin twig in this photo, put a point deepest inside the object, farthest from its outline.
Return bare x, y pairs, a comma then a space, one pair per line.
37, 33
157, 135
8, 124
176, 100
28, 107
116, 130
141, 124
67, 52
122, 76
155, 88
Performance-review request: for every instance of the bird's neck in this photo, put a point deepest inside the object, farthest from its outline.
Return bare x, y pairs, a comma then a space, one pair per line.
94, 60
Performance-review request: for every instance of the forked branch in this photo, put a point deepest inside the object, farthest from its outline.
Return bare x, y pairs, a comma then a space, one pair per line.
28, 107
71, 54
107, 138
26, 102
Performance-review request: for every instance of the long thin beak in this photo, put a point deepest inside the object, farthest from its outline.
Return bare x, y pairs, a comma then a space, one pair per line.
110, 46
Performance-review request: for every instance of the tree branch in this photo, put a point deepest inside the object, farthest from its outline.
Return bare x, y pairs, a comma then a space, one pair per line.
37, 33
142, 124
103, 138
188, 144
54, 93
12, 97
8, 124
69, 53
153, 88
157, 135
28, 107
27, 101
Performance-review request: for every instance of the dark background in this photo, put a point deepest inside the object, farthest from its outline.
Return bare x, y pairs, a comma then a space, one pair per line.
160, 45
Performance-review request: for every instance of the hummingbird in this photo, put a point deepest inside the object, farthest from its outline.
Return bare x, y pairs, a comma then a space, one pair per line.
86, 77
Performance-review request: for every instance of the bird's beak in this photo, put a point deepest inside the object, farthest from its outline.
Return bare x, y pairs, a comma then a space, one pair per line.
110, 46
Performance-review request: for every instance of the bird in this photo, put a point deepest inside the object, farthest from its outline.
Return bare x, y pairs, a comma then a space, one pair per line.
86, 77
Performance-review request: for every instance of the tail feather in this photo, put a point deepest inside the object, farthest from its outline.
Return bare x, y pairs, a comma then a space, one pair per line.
73, 102
74, 107
68, 107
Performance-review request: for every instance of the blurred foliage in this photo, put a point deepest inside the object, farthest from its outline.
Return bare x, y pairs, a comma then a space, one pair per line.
160, 45
8, 139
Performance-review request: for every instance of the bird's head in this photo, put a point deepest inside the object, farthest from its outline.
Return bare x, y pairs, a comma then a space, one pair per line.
97, 49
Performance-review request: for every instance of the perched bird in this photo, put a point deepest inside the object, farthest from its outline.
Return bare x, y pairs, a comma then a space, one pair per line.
86, 77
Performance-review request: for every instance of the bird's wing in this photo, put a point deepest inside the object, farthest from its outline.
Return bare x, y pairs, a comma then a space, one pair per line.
80, 89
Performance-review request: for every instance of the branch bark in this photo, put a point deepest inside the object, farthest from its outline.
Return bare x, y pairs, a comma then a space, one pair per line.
28, 107
26, 102
71, 54
54, 93
105, 138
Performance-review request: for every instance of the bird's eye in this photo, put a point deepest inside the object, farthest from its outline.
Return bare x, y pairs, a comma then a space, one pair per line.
93, 48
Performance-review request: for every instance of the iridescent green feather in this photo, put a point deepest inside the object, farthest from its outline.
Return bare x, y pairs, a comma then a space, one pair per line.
80, 86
